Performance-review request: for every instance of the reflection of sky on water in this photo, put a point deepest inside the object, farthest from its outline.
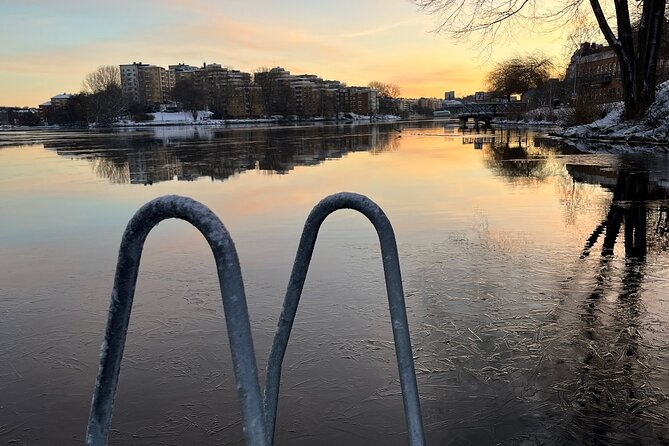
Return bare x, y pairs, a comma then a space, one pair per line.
518, 336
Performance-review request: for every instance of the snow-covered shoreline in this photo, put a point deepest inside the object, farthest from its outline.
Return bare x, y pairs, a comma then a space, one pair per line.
204, 119
611, 131
526, 124
652, 128
184, 119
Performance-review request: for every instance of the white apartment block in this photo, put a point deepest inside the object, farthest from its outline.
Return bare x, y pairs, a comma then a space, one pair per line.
144, 83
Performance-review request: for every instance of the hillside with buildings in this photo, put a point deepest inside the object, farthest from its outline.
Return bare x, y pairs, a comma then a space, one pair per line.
234, 94
229, 94
154, 95
212, 93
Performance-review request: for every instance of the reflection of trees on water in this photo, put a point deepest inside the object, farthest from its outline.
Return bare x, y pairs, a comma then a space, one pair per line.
637, 210
611, 397
628, 209
520, 157
613, 401
117, 173
577, 196
164, 154
659, 234
513, 154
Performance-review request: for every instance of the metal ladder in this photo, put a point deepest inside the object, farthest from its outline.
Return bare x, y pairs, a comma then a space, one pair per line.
258, 413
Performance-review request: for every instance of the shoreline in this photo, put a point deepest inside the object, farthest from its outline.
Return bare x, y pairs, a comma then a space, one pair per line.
229, 123
630, 140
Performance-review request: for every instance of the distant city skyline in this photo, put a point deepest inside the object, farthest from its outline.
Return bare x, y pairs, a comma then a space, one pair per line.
55, 44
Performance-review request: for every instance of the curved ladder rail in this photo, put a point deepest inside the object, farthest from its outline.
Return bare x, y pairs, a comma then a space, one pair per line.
234, 304
391, 269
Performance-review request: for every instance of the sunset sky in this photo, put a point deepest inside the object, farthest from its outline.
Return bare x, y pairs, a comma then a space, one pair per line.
49, 46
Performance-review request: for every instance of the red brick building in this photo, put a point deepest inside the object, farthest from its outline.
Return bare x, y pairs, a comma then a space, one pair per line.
594, 75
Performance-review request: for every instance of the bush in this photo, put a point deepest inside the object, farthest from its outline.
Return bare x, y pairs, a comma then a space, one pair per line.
584, 113
142, 117
541, 114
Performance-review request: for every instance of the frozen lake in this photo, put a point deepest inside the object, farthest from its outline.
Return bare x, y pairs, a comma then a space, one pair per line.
536, 282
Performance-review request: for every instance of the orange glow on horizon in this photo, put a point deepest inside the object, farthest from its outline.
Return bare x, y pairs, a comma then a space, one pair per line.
397, 48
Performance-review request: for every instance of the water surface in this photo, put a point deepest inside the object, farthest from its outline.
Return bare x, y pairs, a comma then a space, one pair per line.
535, 277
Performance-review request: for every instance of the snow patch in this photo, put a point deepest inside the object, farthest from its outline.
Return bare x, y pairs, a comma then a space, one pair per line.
652, 127
386, 118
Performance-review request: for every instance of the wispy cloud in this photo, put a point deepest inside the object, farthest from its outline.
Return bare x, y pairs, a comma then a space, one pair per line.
378, 30
74, 38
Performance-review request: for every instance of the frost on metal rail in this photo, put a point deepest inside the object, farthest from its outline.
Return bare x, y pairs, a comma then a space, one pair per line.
258, 415
391, 269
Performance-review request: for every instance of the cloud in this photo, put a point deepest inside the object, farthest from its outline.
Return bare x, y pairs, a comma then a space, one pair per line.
378, 30
302, 38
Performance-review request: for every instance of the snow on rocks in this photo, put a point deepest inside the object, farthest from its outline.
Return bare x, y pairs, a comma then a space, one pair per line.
614, 147
653, 127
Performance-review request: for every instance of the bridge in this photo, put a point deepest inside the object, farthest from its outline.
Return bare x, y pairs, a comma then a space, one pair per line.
486, 111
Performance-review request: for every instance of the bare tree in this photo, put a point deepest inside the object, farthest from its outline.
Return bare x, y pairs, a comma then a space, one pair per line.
190, 95
387, 94
104, 98
582, 28
386, 89
520, 74
104, 77
637, 49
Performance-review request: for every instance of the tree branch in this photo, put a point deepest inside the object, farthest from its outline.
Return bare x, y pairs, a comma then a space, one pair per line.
604, 25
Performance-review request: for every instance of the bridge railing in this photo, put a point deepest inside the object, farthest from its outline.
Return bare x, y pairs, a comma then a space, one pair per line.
258, 414
492, 109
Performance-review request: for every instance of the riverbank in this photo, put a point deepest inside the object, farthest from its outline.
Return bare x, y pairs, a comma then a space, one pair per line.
181, 121
652, 128
610, 130
203, 118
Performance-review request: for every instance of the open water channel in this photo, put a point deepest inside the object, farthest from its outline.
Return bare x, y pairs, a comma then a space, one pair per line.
536, 280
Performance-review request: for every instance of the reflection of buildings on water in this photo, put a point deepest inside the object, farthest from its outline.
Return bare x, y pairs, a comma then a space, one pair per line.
187, 153
480, 137
479, 141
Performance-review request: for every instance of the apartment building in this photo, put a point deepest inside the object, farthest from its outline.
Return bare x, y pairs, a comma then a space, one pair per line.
216, 79
273, 75
215, 74
594, 74
359, 100
232, 93
306, 98
275, 85
430, 103
179, 72
145, 84
308, 95
406, 105
151, 85
244, 102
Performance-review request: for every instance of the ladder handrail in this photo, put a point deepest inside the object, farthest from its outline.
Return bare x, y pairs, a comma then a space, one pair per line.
391, 268
234, 304
258, 413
